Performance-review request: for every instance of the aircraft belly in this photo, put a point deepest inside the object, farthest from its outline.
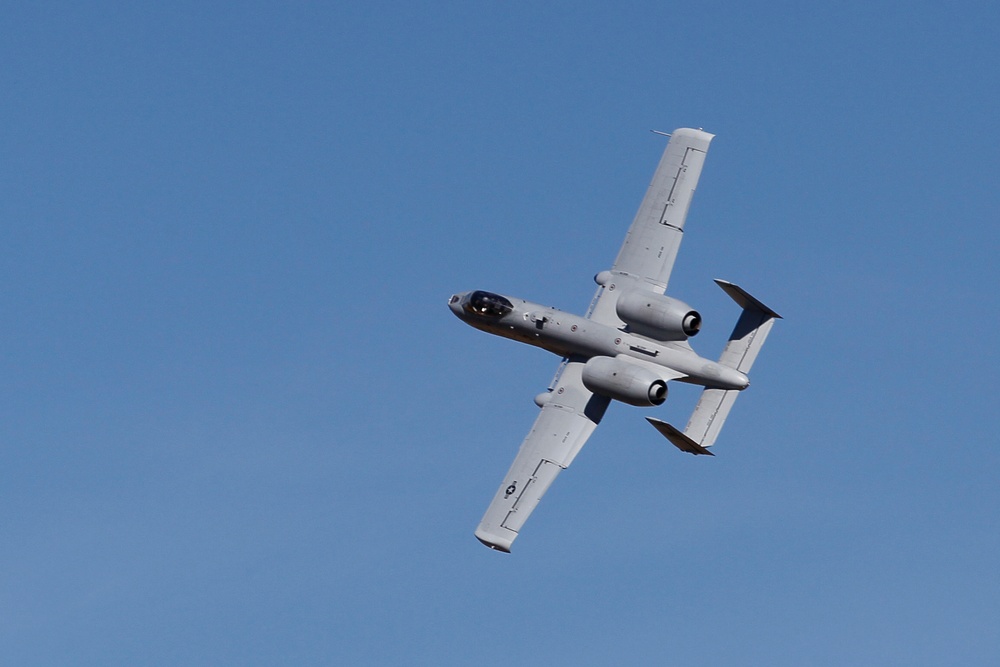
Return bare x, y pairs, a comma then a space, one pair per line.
571, 336
560, 333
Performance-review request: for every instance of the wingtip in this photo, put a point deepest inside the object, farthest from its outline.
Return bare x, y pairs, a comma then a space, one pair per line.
693, 133
494, 542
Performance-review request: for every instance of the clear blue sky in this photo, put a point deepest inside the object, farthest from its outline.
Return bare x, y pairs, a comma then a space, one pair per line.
240, 426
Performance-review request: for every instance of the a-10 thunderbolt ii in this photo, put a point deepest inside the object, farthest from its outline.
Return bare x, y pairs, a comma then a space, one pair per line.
632, 341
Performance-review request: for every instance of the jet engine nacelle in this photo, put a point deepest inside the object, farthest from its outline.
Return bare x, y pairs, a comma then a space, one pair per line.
625, 382
657, 316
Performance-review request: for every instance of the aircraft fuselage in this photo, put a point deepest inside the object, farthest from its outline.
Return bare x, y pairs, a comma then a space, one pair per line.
572, 336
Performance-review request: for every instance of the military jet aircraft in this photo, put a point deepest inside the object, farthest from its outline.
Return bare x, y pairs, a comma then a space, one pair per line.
632, 341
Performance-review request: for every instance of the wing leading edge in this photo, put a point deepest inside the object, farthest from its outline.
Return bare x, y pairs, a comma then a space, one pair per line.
560, 431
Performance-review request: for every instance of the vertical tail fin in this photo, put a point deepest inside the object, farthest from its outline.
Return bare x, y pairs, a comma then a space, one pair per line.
741, 351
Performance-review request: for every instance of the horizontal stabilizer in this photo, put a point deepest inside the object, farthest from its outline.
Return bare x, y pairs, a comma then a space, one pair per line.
679, 440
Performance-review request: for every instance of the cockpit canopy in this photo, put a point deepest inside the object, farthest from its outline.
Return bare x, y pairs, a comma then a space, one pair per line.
488, 304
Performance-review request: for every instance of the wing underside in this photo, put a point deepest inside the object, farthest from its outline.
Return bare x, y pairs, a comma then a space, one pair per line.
647, 256
560, 431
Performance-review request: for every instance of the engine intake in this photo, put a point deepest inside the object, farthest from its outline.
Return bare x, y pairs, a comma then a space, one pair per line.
624, 381
657, 316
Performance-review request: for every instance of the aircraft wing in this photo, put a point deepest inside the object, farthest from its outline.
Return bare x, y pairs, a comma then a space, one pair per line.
647, 256
560, 431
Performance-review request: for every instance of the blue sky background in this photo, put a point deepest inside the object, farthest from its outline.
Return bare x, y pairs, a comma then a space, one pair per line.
239, 425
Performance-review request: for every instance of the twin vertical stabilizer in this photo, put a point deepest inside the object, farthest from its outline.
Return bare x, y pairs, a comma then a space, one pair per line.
740, 352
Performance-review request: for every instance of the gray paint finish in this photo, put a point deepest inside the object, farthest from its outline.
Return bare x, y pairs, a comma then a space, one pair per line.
632, 341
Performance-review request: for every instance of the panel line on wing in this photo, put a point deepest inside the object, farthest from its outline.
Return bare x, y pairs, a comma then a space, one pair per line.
540, 475
673, 186
677, 180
